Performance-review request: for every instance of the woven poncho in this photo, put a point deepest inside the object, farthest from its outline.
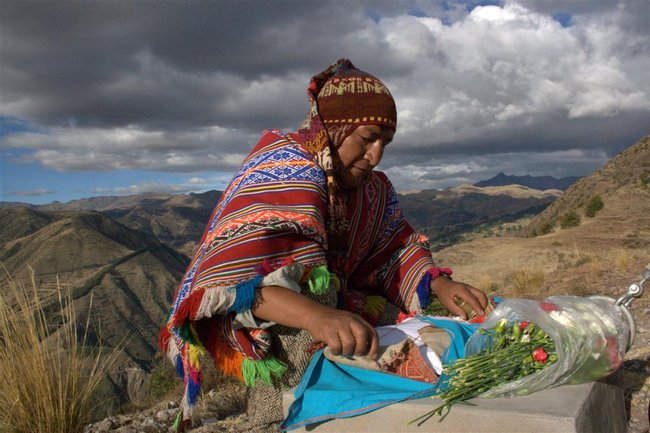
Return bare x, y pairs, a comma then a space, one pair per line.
269, 228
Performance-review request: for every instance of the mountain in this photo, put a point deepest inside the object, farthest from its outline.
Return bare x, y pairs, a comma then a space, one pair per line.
175, 220
445, 215
130, 276
179, 220
535, 182
19, 221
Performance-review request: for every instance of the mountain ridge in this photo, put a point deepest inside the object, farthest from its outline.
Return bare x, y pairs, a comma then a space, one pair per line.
536, 182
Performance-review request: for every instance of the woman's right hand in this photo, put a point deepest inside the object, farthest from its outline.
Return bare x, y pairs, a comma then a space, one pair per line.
345, 333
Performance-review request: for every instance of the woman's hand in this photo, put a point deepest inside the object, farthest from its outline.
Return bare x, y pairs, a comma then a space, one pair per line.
344, 333
446, 290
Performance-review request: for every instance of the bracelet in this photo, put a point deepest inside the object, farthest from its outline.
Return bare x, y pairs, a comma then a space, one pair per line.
437, 272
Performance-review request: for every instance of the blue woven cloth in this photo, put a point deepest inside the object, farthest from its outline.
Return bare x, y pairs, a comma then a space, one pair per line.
329, 390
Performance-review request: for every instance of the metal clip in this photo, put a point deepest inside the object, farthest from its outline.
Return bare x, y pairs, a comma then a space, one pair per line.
634, 291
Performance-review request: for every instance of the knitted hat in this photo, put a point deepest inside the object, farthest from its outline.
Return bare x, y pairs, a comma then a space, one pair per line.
352, 98
341, 98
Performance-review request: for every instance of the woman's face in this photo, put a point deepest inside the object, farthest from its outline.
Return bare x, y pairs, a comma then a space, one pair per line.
360, 152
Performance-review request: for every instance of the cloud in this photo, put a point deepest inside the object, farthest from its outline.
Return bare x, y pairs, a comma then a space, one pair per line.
98, 149
451, 170
150, 187
31, 193
189, 87
212, 181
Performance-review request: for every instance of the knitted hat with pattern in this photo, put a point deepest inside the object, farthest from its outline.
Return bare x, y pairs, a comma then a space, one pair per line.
341, 98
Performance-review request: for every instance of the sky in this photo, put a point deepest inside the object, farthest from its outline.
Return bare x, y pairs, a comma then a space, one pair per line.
124, 97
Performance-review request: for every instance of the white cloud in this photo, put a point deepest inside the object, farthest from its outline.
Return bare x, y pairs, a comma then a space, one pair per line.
150, 187
97, 149
510, 68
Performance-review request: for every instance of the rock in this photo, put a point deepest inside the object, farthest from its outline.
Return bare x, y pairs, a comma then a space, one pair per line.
105, 425
149, 422
133, 381
163, 415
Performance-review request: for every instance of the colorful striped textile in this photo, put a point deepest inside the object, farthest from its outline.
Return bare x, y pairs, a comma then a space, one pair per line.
271, 225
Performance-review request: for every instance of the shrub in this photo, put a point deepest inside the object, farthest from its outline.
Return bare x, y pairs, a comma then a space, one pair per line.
49, 376
570, 219
594, 205
644, 180
547, 227
161, 381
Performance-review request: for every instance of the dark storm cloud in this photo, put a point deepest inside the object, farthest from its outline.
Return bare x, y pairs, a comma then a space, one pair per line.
168, 63
186, 86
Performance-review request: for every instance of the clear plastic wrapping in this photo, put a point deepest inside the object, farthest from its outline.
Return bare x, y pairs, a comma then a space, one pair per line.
591, 337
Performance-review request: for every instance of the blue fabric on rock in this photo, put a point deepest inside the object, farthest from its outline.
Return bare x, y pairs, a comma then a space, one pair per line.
329, 390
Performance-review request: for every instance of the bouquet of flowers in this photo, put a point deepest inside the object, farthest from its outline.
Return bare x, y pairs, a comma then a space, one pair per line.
526, 346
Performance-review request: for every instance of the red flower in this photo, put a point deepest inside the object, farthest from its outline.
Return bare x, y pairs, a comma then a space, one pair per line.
612, 352
540, 355
523, 324
403, 316
549, 306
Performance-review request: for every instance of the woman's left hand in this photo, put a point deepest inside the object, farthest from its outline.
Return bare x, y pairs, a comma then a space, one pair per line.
446, 290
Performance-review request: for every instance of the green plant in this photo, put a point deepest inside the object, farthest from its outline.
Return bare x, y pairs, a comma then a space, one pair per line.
644, 180
594, 205
570, 219
160, 381
49, 377
581, 260
547, 227
435, 308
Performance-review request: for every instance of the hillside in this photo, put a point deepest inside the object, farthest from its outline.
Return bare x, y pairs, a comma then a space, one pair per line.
20, 221
175, 220
576, 258
628, 171
130, 275
178, 220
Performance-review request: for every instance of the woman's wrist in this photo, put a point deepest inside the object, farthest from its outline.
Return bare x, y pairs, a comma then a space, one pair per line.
438, 277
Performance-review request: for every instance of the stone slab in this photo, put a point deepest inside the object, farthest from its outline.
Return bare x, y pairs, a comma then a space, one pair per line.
586, 408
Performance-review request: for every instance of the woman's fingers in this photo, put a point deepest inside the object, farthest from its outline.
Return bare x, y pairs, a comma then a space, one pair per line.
346, 334
447, 290
471, 296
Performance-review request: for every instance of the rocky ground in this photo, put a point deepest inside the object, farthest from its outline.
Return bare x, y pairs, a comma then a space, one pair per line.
635, 375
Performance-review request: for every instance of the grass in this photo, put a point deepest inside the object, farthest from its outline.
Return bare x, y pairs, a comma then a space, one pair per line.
526, 280
486, 284
49, 376
623, 261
